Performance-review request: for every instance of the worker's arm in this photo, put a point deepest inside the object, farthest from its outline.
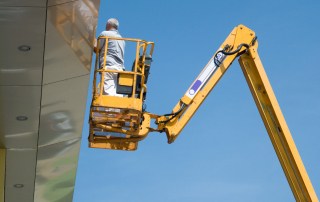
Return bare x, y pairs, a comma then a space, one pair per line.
95, 49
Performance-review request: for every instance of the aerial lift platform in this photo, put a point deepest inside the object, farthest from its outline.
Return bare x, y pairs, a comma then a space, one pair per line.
121, 122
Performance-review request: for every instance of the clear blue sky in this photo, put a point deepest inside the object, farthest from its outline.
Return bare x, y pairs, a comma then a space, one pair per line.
224, 153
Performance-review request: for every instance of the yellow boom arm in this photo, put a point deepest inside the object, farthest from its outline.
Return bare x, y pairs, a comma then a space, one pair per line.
242, 43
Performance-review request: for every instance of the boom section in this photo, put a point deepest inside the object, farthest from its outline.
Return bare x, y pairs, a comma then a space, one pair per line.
238, 41
242, 43
276, 126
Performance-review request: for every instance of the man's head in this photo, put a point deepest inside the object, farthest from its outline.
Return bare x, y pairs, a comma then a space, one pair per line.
112, 23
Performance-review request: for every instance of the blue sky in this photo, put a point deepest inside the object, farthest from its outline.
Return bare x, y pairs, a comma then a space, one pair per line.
224, 153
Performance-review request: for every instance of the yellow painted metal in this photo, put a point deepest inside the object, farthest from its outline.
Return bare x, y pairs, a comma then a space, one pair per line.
186, 100
115, 122
129, 143
118, 102
239, 35
2, 173
119, 144
276, 126
126, 79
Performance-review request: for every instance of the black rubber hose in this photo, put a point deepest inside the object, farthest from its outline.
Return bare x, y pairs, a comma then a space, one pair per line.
217, 62
173, 115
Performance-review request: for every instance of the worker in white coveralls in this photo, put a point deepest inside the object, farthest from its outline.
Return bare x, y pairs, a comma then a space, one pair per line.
115, 56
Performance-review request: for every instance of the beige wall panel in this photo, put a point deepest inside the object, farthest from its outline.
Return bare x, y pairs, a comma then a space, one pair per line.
20, 175
50, 81
63, 108
93, 3
35, 3
56, 171
21, 26
19, 101
69, 40
57, 2
2, 173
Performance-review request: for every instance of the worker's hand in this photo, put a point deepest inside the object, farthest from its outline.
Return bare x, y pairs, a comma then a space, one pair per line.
95, 45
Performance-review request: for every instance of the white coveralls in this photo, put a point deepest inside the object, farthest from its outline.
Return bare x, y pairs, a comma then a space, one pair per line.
111, 80
114, 61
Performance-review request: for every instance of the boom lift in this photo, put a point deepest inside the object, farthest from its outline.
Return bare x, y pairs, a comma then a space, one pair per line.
121, 122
